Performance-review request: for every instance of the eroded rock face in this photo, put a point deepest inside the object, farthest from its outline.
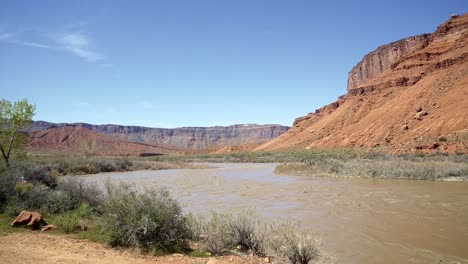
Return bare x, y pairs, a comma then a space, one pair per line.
33, 220
401, 97
382, 58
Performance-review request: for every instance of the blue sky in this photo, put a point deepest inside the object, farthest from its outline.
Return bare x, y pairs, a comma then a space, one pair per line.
195, 63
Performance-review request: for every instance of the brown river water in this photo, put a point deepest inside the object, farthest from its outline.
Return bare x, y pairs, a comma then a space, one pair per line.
358, 220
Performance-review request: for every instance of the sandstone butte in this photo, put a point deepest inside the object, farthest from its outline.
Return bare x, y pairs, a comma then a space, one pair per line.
409, 95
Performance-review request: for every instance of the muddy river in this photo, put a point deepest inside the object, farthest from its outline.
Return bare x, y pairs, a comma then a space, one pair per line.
359, 221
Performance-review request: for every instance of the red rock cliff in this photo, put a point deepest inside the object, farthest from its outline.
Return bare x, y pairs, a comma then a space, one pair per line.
408, 95
379, 60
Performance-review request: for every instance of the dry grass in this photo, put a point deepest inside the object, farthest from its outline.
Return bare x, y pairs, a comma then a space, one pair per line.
292, 244
385, 167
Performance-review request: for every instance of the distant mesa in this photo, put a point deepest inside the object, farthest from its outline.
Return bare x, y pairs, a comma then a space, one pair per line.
145, 141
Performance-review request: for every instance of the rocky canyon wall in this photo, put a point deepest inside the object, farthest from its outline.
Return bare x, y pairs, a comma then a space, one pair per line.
382, 58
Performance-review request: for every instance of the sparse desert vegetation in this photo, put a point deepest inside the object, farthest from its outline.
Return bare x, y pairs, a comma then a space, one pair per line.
149, 220
434, 167
348, 163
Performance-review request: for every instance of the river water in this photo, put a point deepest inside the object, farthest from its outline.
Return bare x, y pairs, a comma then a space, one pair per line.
358, 220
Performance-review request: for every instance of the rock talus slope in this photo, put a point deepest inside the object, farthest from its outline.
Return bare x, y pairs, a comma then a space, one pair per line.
409, 95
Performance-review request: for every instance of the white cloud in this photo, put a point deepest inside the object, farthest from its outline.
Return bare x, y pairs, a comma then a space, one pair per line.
74, 40
76, 43
10, 38
79, 45
34, 44
5, 36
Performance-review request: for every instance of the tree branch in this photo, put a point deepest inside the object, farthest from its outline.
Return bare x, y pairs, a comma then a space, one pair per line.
12, 139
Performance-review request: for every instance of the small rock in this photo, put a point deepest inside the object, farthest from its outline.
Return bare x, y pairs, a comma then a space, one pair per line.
48, 227
81, 226
418, 109
405, 127
177, 255
29, 219
266, 259
419, 115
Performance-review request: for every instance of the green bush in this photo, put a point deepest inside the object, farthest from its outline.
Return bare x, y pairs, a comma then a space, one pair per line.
149, 220
70, 221
23, 188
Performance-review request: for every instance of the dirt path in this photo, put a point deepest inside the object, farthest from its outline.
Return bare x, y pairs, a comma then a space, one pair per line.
35, 247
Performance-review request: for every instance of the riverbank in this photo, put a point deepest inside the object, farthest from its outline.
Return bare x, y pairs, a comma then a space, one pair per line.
382, 168
347, 163
48, 248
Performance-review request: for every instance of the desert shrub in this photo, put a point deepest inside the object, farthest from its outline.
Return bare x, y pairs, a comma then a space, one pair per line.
69, 195
123, 164
248, 233
195, 225
78, 192
291, 243
104, 165
150, 220
7, 189
35, 197
33, 172
216, 237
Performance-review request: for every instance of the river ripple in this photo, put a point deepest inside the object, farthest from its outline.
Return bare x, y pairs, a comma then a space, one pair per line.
359, 220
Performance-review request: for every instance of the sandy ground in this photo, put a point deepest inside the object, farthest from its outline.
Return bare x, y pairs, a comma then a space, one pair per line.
36, 247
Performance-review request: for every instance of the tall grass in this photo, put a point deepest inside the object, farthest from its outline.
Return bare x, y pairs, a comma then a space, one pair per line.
286, 243
215, 237
72, 220
386, 167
